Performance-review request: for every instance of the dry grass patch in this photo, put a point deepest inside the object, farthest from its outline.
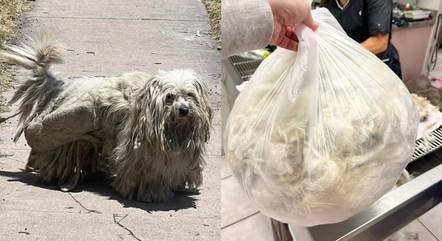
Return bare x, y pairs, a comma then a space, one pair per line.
9, 12
214, 10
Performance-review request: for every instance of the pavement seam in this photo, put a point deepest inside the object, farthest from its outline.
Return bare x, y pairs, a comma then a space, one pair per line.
431, 232
2, 155
240, 220
124, 227
123, 19
37, 211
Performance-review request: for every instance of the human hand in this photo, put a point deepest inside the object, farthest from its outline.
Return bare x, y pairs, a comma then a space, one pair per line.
286, 14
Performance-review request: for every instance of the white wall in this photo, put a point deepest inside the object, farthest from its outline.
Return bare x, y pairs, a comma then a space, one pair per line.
430, 4
433, 5
412, 2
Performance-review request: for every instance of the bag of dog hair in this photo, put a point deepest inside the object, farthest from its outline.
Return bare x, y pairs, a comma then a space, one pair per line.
318, 135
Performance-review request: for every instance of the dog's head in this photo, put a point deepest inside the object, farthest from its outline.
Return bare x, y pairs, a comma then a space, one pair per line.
177, 110
183, 96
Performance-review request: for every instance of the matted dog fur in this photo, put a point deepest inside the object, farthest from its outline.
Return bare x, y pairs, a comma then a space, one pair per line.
148, 132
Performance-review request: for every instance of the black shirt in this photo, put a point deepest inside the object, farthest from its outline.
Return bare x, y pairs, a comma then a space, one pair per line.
362, 19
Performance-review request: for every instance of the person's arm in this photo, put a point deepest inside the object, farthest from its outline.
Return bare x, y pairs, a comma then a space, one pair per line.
379, 25
245, 25
377, 43
252, 24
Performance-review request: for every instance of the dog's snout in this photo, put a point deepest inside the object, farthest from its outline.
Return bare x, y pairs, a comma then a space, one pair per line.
183, 110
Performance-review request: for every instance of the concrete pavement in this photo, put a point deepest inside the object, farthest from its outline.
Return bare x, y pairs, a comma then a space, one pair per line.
103, 38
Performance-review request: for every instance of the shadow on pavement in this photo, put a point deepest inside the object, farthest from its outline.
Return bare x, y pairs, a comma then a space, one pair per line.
27, 178
181, 200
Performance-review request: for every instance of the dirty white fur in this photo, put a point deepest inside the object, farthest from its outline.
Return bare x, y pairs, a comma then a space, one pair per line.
148, 132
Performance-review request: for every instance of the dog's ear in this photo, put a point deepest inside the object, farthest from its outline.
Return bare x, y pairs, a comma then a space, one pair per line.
153, 112
207, 116
145, 122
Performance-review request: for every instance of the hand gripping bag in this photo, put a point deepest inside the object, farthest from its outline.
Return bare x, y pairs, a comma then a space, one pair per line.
320, 134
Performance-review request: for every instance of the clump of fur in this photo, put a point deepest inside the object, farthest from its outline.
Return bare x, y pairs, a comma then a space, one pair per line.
424, 106
35, 92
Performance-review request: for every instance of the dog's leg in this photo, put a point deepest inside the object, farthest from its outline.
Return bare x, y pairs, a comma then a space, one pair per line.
65, 164
131, 185
156, 193
194, 179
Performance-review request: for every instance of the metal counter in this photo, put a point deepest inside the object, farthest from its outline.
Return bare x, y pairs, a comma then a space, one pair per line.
416, 24
389, 214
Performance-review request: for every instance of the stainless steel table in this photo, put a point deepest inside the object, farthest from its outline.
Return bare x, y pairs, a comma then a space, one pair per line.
389, 214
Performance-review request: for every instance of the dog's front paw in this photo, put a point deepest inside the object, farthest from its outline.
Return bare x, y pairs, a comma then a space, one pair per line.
194, 180
191, 184
186, 189
159, 195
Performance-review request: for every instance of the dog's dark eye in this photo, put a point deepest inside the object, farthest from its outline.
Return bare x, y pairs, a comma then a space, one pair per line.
191, 95
170, 97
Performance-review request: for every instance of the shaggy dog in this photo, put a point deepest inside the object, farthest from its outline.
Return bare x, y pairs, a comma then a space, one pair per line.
148, 132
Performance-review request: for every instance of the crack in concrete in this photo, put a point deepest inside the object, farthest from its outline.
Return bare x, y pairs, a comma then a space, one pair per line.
124, 227
81, 205
3, 119
122, 18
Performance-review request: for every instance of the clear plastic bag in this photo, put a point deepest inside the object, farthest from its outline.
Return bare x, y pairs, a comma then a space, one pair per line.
320, 134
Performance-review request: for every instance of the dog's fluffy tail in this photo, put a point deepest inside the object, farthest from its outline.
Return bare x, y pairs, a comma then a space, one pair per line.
37, 91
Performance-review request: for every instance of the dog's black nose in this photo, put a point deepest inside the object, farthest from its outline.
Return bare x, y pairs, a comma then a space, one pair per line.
183, 110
